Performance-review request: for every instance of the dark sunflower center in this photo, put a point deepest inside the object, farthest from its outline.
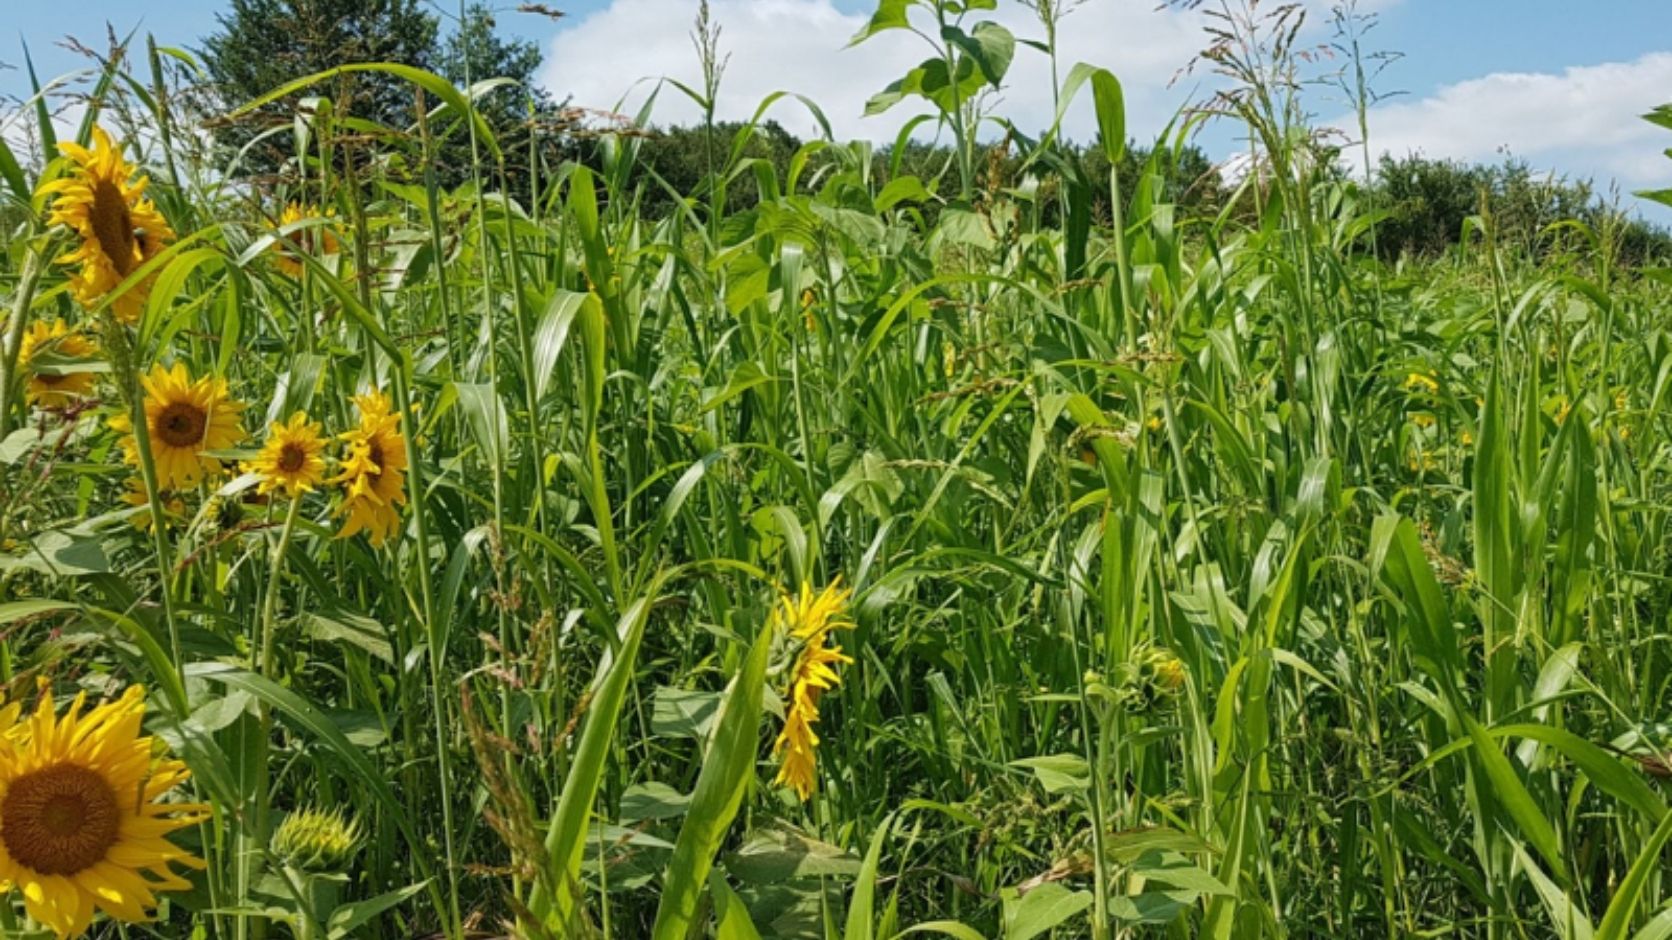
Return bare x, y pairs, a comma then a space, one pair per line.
113, 226
375, 452
181, 425
59, 820
292, 458
49, 380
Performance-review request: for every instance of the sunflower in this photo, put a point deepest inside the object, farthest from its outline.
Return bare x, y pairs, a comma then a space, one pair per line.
313, 241
183, 419
809, 618
293, 459
317, 840
1419, 382
135, 495
119, 228
373, 474
80, 822
56, 391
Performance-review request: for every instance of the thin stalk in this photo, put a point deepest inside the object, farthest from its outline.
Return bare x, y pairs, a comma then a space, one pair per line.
33, 264
255, 836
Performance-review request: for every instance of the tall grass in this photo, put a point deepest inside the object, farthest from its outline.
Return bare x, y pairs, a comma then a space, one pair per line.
1210, 579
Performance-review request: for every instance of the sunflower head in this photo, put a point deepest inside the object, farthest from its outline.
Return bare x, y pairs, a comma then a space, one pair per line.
134, 495
119, 229
1419, 382
82, 825
1165, 673
809, 618
313, 241
292, 460
808, 614
55, 338
185, 419
314, 840
372, 471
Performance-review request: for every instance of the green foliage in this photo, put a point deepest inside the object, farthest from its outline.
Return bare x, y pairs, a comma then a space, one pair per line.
1428, 201
1210, 577
261, 44
529, 124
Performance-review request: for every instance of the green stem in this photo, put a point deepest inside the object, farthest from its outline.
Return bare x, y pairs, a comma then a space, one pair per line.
268, 669
13, 343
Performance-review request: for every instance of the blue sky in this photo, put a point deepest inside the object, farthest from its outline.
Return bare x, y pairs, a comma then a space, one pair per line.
1555, 82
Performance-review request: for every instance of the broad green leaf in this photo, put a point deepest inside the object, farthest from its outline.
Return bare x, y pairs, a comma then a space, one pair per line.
556, 895
1110, 101
1040, 910
1058, 773
890, 14
727, 768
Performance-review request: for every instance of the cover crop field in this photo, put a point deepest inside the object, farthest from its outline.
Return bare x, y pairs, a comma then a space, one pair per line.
399, 543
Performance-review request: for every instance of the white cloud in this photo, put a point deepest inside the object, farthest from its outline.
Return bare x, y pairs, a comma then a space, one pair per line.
800, 46
1584, 121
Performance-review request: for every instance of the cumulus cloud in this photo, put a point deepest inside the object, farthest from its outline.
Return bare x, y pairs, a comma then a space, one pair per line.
1583, 121
616, 53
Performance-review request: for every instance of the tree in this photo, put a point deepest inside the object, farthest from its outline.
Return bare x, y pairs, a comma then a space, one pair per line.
261, 44
519, 113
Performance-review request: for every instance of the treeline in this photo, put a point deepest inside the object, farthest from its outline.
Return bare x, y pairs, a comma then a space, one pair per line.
1424, 204
1427, 202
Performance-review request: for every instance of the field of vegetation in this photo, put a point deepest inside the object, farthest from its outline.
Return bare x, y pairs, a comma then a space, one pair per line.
424, 533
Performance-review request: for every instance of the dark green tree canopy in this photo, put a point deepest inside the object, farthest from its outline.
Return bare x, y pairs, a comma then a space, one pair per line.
261, 44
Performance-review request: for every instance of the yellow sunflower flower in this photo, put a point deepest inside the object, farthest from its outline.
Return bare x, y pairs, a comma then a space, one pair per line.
373, 475
134, 495
56, 391
293, 459
119, 228
809, 618
184, 418
1416, 381
313, 241
81, 825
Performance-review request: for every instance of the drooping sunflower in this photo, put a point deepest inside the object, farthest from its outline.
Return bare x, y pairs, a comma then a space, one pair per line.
184, 418
373, 474
55, 391
81, 825
809, 618
293, 459
313, 241
120, 229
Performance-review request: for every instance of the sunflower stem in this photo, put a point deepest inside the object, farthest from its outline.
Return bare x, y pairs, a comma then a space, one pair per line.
13, 343
266, 666
119, 349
